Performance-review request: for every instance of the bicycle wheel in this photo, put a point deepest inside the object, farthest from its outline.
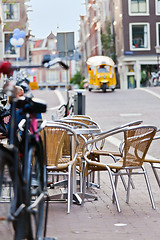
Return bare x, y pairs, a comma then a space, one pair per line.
35, 191
6, 188
10, 182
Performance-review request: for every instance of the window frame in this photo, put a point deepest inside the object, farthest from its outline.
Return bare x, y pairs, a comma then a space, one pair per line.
17, 51
157, 34
138, 14
18, 13
148, 36
156, 8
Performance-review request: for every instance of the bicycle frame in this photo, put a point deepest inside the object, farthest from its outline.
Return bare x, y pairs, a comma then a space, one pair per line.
21, 206
20, 176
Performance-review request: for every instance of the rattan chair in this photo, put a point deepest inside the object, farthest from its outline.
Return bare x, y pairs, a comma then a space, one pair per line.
136, 143
83, 122
81, 138
56, 162
99, 150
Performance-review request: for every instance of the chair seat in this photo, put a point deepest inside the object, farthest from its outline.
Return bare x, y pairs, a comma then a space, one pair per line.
94, 166
59, 167
64, 160
104, 152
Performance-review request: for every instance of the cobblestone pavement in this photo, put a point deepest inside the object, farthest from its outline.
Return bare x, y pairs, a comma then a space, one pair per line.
100, 219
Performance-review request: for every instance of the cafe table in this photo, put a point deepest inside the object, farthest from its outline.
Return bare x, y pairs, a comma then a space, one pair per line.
77, 196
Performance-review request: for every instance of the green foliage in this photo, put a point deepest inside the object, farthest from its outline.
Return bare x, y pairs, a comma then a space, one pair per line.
143, 76
108, 42
77, 79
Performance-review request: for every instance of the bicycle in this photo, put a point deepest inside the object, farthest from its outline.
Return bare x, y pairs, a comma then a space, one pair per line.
25, 161
65, 109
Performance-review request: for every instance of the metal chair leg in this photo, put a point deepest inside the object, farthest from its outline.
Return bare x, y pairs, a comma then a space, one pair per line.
115, 184
114, 189
69, 189
149, 188
128, 188
83, 183
155, 174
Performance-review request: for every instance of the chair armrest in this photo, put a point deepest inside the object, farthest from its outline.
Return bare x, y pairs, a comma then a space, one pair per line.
100, 137
130, 124
157, 137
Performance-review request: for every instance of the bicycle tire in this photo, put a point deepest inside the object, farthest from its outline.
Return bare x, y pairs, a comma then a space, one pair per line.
34, 188
7, 162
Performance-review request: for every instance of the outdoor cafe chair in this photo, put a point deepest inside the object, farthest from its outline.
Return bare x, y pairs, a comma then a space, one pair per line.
83, 121
82, 139
137, 140
65, 155
56, 162
100, 150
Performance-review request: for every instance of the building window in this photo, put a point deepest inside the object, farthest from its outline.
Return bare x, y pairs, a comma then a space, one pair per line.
157, 7
51, 44
138, 7
52, 76
8, 48
139, 36
158, 33
11, 12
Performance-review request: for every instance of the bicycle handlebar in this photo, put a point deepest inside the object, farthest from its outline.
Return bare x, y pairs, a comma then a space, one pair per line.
31, 105
7, 68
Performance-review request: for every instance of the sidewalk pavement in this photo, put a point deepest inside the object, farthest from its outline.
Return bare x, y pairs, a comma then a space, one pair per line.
99, 220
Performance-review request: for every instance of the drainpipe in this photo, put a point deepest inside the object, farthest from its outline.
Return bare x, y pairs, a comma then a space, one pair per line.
137, 73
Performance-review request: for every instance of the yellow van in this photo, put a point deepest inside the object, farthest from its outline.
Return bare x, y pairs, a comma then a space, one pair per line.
101, 73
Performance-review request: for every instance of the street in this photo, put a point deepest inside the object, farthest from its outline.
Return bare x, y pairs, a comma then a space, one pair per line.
99, 220
112, 109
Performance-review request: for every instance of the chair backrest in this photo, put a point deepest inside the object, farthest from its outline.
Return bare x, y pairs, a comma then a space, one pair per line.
56, 140
86, 121
72, 122
130, 124
75, 123
136, 144
54, 144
